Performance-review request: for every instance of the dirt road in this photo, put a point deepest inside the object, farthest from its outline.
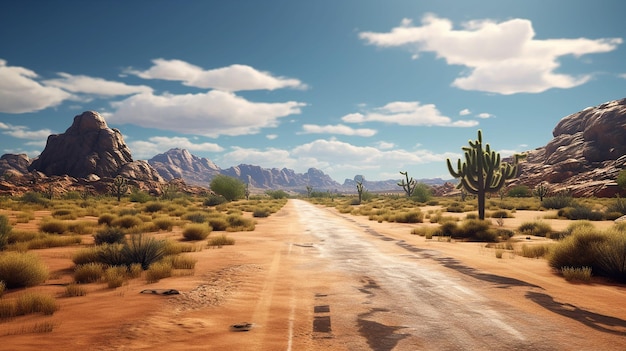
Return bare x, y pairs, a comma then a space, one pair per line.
310, 279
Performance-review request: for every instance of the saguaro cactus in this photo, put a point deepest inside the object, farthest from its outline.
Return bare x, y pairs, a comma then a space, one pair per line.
359, 186
409, 185
482, 172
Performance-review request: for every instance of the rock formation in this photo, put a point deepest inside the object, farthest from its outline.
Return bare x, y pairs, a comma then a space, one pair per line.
14, 165
89, 147
586, 154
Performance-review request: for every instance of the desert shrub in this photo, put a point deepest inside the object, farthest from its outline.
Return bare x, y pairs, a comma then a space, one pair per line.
153, 207
182, 262
196, 217
409, 217
471, 216
142, 250
218, 223
109, 235
47, 241
73, 290
126, 221
163, 223
580, 212
106, 218
582, 274
88, 272
85, 255
139, 196
3, 287
32, 197
5, 229
448, 228
238, 223
24, 216
577, 250
214, 200
229, 187
53, 226
158, 270
64, 213
134, 270
221, 240
475, 229
196, 231
504, 234
499, 214
619, 205
611, 216
535, 228
610, 255
8, 309
277, 194
559, 201
19, 270
422, 193
455, 208
535, 251
81, 227
575, 226
35, 303
520, 191
128, 211
115, 276
261, 212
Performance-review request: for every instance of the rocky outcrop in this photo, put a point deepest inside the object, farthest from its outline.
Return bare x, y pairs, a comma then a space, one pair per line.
87, 148
179, 163
275, 178
12, 165
586, 154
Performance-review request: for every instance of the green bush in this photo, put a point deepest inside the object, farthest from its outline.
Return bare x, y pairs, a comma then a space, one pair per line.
619, 205
277, 194
230, 188
578, 250
139, 196
580, 212
109, 235
559, 201
520, 191
196, 231
422, 193
19, 270
32, 197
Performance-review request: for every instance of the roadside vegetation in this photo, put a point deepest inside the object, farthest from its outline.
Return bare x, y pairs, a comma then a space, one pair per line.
113, 239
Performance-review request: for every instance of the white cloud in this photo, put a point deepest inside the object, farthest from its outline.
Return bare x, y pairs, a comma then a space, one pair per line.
385, 145
23, 132
231, 78
484, 115
271, 136
502, 57
21, 93
144, 149
407, 113
337, 129
623, 75
464, 112
96, 86
268, 158
210, 114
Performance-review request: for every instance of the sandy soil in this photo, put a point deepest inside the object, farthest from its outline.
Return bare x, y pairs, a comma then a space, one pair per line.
260, 281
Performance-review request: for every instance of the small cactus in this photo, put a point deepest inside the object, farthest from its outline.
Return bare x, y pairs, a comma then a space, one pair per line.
409, 185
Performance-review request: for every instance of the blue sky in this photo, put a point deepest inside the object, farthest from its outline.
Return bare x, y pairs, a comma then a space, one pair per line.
367, 87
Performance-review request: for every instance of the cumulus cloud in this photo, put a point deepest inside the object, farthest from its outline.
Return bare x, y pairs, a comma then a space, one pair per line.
267, 158
407, 113
464, 112
211, 114
502, 57
21, 93
337, 129
158, 144
271, 136
231, 78
484, 115
96, 86
385, 145
24, 132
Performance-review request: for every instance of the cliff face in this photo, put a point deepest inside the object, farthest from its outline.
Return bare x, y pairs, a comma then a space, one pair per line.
586, 154
179, 163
